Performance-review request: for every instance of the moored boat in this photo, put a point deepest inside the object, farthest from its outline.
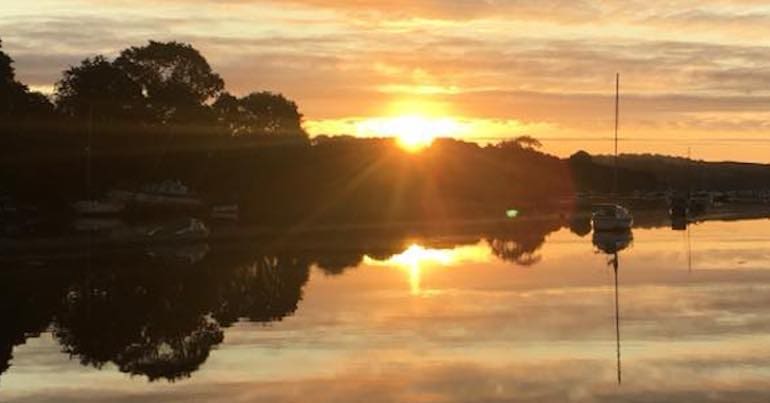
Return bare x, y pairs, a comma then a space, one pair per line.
170, 193
611, 217
98, 207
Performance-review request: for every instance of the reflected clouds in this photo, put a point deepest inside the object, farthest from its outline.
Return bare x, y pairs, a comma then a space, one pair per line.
335, 319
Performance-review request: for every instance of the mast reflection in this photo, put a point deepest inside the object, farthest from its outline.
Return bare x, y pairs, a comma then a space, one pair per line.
611, 243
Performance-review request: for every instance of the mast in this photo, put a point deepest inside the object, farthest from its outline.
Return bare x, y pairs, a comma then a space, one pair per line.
88, 150
617, 113
617, 315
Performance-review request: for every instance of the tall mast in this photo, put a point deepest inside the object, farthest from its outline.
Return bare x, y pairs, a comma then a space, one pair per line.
617, 113
88, 150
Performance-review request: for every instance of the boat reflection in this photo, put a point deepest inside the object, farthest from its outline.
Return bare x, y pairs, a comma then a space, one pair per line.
612, 243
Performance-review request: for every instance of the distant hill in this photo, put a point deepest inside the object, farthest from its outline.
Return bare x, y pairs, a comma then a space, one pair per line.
682, 173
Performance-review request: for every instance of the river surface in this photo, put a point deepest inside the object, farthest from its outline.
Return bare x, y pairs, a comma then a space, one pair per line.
521, 314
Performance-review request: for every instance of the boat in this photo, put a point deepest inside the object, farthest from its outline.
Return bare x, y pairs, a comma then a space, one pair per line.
98, 207
180, 230
679, 207
168, 193
611, 217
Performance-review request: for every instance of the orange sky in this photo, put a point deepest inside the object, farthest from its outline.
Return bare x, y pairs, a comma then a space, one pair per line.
694, 74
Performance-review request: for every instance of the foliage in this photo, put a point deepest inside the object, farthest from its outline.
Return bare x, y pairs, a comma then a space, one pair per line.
175, 79
259, 113
97, 88
16, 100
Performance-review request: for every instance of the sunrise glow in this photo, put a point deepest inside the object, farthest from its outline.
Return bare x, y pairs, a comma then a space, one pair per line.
413, 133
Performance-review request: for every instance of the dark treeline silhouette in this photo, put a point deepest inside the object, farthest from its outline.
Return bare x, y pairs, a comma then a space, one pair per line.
683, 173
159, 112
159, 312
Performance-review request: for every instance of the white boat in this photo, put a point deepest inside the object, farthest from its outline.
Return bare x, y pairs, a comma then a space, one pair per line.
611, 217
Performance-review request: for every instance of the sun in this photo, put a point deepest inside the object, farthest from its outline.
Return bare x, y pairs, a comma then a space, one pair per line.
413, 133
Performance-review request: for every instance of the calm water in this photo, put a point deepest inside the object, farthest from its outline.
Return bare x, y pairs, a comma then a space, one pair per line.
524, 313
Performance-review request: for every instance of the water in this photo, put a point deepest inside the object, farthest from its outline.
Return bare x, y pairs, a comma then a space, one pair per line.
523, 313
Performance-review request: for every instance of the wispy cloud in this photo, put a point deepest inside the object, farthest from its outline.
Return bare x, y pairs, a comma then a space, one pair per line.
549, 62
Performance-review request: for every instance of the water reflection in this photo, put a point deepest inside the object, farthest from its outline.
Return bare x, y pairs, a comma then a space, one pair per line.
158, 313
149, 316
415, 259
612, 243
294, 317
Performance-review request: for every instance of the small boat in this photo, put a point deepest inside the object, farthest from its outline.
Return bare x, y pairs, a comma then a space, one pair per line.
180, 230
679, 207
98, 207
169, 193
611, 217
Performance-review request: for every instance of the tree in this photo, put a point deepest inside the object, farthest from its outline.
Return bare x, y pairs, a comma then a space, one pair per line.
16, 99
175, 79
580, 158
260, 113
520, 142
7, 75
528, 142
98, 88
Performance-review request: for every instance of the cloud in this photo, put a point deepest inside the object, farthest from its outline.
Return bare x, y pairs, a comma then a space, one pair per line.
508, 60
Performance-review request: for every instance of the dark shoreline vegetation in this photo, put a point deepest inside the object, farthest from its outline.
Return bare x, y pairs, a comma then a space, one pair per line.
158, 112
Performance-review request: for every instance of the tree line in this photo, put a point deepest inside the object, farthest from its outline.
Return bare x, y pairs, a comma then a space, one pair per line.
157, 87
159, 111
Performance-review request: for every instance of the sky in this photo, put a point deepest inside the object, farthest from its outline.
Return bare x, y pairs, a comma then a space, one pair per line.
695, 75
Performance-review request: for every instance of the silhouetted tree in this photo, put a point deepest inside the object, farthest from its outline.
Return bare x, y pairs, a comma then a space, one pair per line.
98, 88
260, 113
580, 158
16, 100
175, 78
520, 142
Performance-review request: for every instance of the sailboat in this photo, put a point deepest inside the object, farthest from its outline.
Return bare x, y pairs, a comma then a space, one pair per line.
91, 206
613, 217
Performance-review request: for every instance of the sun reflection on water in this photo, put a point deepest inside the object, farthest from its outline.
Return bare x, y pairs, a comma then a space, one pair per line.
416, 259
